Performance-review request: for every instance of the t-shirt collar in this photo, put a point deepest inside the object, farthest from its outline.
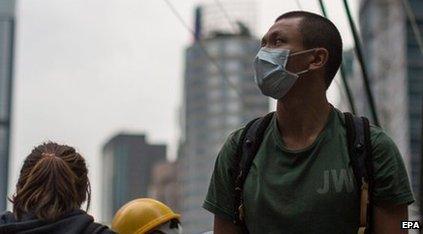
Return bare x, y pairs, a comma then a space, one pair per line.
326, 132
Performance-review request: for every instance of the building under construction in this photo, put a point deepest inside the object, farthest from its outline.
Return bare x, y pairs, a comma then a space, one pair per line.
396, 75
219, 96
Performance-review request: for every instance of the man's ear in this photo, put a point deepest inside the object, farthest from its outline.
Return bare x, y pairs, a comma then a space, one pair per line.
319, 59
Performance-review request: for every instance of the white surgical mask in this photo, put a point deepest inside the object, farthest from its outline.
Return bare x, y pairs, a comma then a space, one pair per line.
271, 75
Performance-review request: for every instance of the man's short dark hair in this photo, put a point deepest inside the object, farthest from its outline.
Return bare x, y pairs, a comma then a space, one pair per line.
318, 31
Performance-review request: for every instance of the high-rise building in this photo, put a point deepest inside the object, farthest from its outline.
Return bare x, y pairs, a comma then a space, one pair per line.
224, 16
414, 58
127, 164
213, 107
7, 28
164, 185
421, 162
395, 67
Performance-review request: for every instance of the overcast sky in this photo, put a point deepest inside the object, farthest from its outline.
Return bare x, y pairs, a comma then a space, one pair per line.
88, 69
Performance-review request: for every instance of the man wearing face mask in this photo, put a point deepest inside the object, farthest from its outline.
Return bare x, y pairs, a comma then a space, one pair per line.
301, 179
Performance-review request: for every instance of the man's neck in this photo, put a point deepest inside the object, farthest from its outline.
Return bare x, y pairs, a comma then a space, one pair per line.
301, 119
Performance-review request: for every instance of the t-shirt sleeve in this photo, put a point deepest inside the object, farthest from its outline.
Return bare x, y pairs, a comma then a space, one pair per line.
219, 199
391, 183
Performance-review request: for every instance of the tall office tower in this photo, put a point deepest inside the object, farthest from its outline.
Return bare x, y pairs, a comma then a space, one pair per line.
7, 28
128, 161
395, 67
421, 162
164, 184
213, 108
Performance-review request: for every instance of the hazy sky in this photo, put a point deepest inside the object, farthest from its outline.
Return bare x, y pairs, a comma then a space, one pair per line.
88, 69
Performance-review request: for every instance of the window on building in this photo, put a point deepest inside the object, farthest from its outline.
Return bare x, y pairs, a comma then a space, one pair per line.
233, 66
233, 48
212, 49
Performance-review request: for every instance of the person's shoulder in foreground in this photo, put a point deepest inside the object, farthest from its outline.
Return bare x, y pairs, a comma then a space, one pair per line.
74, 222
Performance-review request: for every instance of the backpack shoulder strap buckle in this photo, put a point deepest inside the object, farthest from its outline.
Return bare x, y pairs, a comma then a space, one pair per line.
360, 152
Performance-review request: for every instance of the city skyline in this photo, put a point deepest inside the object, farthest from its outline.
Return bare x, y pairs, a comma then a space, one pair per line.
84, 71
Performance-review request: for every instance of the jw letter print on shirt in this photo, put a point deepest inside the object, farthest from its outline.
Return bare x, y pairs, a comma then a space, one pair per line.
337, 180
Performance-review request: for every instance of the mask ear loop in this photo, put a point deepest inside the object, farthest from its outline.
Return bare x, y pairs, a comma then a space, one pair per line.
302, 52
302, 72
298, 53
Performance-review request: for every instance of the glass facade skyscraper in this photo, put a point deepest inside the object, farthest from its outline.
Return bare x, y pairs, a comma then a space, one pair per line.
212, 109
7, 26
395, 65
414, 58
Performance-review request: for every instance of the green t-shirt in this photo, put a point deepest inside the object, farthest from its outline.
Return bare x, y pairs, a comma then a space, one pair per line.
312, 190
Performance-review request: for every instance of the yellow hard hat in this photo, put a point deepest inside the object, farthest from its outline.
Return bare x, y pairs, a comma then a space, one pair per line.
141, 215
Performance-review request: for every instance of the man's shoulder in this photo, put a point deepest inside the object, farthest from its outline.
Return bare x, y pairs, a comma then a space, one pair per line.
391, 181
380, 139
235, 135
231, 143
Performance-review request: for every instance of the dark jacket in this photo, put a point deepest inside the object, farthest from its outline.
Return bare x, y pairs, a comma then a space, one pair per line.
75, 222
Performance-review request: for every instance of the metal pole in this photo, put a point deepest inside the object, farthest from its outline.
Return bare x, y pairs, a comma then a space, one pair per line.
362, 65
323, 8
343, 75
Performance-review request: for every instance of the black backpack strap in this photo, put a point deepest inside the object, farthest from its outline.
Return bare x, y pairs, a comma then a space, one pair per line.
249, 144
359, 149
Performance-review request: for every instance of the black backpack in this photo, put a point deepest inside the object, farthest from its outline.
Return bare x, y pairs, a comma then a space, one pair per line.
359, 149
